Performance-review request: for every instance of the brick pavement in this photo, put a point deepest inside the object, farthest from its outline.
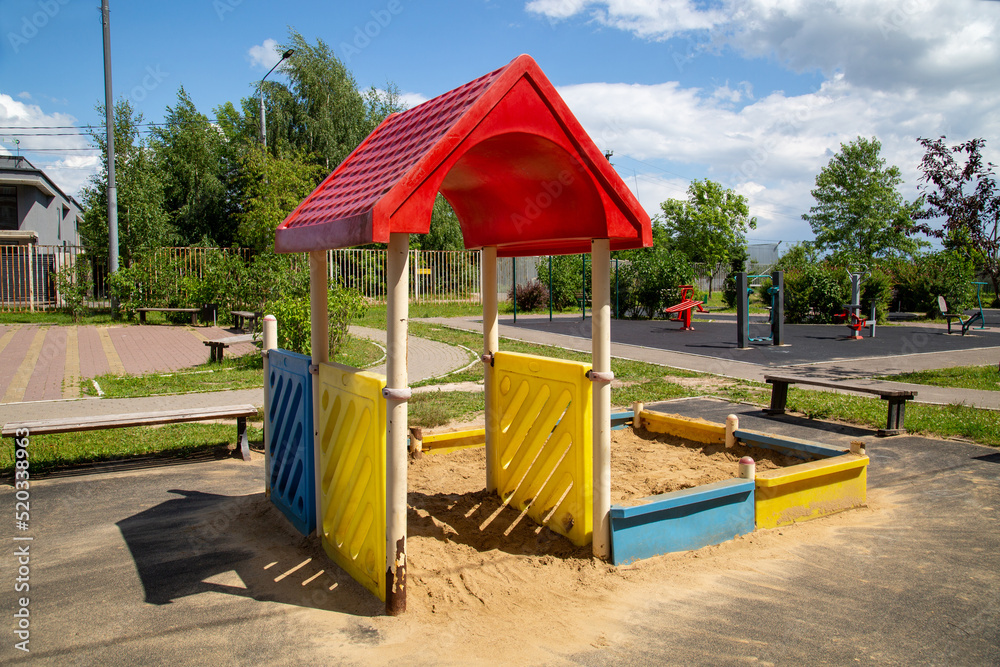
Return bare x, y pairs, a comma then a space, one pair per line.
43, 363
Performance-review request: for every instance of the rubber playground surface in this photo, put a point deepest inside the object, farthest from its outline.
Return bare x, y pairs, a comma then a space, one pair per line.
805, 343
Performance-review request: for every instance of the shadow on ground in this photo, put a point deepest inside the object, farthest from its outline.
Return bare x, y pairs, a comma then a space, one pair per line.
238, 545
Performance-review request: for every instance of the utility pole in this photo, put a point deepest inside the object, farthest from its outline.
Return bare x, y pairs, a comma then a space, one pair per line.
109, 112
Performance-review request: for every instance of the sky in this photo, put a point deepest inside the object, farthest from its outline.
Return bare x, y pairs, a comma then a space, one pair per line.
755, 94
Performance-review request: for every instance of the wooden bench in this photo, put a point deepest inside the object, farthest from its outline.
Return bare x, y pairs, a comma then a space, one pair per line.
194, 313
217, 347
76, 424
243, 317
896, 398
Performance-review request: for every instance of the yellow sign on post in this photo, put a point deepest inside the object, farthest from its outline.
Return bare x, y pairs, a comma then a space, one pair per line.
352, 472
543, 459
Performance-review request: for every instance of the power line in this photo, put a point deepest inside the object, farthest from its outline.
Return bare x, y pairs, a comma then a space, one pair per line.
98, 126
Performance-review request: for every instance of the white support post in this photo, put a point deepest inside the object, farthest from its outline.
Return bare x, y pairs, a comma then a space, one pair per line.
396, 392
491, 343
320, 341
600, 262
270, 343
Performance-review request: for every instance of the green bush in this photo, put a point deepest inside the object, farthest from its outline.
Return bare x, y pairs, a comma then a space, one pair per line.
815, 293
224, 281
568, 279
946, 273
877, 287
533, 296
148, 282
295, 324
650, 281
74, 283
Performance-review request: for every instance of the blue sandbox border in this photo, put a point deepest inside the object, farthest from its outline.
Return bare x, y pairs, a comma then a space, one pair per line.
682, 520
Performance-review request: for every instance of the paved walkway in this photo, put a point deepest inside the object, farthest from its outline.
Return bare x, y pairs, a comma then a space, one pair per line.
38, 367
44, 363
860, 370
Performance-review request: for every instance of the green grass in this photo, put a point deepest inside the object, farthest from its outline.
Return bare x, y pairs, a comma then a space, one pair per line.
986, 378
359, 352
950, 421
52, 451
375, 315
436, 409
246, 372
54, 317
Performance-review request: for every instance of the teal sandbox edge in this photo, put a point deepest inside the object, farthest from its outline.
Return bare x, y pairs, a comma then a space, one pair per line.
682, 520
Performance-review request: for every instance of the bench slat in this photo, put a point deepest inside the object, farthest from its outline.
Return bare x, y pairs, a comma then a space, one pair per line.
884, 393
683, 305
74, 424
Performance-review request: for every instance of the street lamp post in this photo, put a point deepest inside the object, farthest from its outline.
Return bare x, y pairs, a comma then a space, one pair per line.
263, 122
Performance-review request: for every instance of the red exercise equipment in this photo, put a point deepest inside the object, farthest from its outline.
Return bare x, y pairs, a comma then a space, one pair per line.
854, 319
683, 309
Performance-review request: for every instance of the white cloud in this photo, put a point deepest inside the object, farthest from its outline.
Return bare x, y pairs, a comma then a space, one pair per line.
264, 56
411, 100
770, 149
926, 44
917, 68
658, 19
59, 157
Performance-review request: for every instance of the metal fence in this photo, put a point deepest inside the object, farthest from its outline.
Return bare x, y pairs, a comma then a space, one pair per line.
28, 276
27, 273
435, 275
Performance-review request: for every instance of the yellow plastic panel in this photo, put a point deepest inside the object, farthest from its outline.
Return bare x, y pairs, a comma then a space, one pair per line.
810, 490
543, 458
352, 472
689, 428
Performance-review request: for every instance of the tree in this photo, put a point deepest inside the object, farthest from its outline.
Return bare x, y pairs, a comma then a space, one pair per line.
967, 197
142, 221
445, 232
272, 188
321, 112
859, 214
709, 227
648, 277
190, 154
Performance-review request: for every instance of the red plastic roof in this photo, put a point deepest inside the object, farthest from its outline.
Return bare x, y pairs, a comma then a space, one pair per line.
505, 150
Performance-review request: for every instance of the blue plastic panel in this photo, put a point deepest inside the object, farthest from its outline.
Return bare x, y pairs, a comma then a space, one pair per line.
290, 434
682, 520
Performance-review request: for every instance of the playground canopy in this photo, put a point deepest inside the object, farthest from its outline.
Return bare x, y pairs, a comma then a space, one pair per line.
524, 179
506, 152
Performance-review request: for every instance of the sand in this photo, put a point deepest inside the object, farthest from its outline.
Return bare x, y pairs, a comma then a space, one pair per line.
505, 591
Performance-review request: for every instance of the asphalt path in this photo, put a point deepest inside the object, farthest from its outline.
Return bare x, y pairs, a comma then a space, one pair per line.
804, 343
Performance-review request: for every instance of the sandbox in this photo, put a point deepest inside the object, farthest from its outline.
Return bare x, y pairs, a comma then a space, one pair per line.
796, 480
675, 484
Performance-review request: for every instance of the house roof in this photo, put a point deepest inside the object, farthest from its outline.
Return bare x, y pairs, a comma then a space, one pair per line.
17, 170
505, 151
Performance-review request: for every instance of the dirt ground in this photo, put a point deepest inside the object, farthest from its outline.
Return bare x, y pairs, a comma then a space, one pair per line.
480, 575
